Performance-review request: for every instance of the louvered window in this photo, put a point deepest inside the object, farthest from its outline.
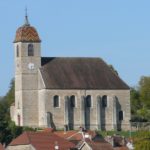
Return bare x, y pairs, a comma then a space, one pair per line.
30, 50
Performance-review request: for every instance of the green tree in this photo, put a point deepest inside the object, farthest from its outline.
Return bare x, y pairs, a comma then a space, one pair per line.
144, 89
140, 100
135, 100
142, 140
6, 101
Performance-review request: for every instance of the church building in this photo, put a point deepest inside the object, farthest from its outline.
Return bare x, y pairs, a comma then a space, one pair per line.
68, 92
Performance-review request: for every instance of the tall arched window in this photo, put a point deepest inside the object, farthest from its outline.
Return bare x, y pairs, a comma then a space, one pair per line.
17, 51
88, 101
18, 106
72, 101
120, 115
30, 50
18, 120
104, 101
56, 101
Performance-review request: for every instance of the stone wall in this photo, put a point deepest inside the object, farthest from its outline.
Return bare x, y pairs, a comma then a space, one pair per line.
59, 115
26, 84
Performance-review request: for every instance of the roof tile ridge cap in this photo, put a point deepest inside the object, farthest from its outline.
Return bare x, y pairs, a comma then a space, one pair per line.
71, 57
69, 137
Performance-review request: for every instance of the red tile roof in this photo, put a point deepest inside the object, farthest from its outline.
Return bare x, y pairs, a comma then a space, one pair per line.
27, 33
69, 134
1, 147
99, 145
46, 140
42, 140
74, 135
77, 139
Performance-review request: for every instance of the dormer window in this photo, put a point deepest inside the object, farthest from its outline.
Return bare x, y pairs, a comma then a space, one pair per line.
30, 50
17, 51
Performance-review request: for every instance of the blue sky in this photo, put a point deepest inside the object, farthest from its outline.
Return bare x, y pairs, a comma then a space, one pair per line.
117, 31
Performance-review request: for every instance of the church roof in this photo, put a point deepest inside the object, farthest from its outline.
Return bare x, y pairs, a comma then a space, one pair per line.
26, 33
79, 73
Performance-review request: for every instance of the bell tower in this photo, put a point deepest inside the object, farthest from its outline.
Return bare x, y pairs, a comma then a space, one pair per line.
27, 53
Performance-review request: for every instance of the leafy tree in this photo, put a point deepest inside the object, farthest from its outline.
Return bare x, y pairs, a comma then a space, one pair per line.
6, 101
135, 100
140, 100
144, 89
142, 140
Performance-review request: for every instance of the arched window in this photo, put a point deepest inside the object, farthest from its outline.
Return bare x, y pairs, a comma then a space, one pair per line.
72, 101
56, 101
17, 51
18, 120
18, 105
88, 101
104, 101
30, 50
120, 115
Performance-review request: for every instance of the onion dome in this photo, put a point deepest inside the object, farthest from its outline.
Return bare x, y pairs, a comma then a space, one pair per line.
26, 33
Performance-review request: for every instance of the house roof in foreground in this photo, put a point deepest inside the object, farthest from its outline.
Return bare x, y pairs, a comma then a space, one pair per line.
96, 143
1, 147
79, 73
42, 141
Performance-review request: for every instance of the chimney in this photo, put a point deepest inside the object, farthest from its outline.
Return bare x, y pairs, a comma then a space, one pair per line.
56, 146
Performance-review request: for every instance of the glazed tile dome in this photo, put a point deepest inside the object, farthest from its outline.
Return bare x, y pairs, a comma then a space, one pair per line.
26, 33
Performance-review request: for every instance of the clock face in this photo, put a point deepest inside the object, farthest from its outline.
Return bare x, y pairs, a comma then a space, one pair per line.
31, 66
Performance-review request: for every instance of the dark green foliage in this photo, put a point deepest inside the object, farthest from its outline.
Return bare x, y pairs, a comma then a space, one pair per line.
144, 90
140, 101
135, 100
142, 140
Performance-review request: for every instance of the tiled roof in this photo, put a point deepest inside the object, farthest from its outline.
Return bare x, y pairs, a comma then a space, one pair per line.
1, 147
42, 141
79, 73
27, 33
69, 135
99, 145
74, 135
77, 138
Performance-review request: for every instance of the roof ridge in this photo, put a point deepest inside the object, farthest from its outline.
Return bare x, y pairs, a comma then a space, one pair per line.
73, 57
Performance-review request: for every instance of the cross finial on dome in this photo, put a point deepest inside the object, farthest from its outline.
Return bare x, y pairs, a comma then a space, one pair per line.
26, 18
